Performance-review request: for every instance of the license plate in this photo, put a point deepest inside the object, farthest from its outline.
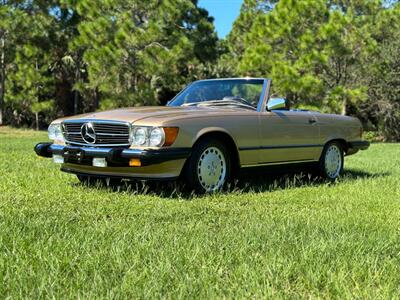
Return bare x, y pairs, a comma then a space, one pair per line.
58, 159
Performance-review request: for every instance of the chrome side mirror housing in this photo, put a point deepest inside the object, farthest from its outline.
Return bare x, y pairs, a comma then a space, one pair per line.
276, 104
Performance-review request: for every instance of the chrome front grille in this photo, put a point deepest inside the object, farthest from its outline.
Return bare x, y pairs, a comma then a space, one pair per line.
106, 133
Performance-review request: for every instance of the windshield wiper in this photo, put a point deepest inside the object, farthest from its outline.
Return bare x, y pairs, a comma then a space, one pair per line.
231, 102
198, 103
227, 103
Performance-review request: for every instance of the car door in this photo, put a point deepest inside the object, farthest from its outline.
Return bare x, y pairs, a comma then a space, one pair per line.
288, 136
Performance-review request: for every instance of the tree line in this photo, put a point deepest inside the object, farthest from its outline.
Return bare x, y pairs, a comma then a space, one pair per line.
63, 57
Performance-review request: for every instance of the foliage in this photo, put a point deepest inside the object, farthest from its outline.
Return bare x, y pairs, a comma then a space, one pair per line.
381, 74
132, 53
37, 36
323, 53
372, 136
86, 55
308, 48
339, 56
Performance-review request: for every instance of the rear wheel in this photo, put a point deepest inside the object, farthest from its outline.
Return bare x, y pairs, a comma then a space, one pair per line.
208, 168
332, 161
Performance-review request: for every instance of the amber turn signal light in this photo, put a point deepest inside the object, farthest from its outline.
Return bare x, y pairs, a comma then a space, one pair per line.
135, 162
170, 135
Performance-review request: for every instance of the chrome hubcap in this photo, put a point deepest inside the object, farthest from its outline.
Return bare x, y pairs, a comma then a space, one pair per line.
211, 169
333, 161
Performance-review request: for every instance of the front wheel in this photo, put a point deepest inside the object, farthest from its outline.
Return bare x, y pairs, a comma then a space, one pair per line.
332, 161
209, 167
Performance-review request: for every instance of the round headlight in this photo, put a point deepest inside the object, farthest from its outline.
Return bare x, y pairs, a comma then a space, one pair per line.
140, 136
55, 132
157, 137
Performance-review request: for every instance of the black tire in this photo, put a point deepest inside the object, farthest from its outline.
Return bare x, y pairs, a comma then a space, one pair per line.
331, 163
191, 174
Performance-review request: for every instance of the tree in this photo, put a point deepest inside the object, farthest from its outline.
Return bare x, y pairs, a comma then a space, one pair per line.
381, 73
6, 30
348, 48
3, 36
133, 54
310, 48
21, 64
75, 56
62, 57
38, 42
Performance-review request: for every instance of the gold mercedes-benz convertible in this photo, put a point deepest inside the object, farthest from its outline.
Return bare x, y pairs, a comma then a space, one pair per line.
205, 135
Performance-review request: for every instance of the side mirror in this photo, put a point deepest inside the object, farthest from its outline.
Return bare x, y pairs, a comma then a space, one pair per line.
276, 103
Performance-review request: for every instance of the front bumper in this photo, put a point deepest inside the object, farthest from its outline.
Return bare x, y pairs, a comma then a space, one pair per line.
117, 157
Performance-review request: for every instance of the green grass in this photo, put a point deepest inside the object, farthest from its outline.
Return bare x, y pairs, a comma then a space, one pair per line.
304, 239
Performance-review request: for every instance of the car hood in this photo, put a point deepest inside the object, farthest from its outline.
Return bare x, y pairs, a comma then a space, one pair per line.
161, 113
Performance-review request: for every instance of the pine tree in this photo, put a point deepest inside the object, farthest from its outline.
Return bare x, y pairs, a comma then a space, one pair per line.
134, 50
310, 48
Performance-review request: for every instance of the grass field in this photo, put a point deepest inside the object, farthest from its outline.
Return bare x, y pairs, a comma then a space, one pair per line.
287, 239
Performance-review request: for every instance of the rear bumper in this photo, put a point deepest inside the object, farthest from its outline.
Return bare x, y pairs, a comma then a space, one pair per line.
359, 145
114, 156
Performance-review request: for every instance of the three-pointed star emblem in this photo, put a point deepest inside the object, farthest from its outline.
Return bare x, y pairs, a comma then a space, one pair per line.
88, 133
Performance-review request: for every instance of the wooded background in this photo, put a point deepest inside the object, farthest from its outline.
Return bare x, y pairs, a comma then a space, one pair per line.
66, 57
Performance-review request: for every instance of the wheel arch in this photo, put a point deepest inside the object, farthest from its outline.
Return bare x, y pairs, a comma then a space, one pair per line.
221, 135
341, 141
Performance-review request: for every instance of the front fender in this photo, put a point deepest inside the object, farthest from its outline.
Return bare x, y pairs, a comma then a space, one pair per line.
213, 129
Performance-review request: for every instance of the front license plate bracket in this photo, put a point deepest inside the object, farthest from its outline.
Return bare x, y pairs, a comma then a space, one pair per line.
74, 154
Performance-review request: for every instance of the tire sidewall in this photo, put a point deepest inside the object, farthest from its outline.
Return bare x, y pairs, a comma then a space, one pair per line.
322, 167
190, 176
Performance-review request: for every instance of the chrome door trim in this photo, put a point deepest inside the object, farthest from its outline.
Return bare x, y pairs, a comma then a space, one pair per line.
281, 147
262, 103
280, 163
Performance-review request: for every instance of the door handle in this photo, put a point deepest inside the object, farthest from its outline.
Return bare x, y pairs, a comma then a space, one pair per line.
312, 121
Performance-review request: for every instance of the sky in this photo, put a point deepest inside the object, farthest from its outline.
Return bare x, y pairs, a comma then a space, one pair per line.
224, 12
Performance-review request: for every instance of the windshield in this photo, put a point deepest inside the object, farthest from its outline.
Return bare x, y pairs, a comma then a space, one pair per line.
231, 92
